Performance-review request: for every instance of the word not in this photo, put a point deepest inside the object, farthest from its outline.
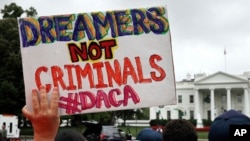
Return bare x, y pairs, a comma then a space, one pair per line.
93, 51
93, 26
71, 76
87, 100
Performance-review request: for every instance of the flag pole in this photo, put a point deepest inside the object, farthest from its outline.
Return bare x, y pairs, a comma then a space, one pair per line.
225, 59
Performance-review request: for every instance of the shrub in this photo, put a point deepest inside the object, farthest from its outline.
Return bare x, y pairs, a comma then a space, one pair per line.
207, 122
193, 121
156, 122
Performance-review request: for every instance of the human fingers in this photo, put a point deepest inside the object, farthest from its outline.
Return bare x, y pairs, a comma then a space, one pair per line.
43, 99
26, 113
54, 100
35, 101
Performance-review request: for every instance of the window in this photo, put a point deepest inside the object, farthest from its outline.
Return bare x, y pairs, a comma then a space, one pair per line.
179, 99
168, 114
10, 129
191, 114
180, 114
223, 99
239, 98
158, 114
191, 99
209, 115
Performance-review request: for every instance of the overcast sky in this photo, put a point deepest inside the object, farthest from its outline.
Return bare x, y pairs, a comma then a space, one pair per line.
200, 29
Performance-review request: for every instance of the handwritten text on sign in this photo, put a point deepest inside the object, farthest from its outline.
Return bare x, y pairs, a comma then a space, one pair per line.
102, 60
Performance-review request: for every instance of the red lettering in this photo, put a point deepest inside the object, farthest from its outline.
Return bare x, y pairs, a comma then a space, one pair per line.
76, 51
89, 100
70, 77
38, 78
94, 51
102, 96
152, 61
112, 97
72, 103
129, 70
114, 74
98, 67
129, 92
107, 45
57, 76
82, 73
140, 72
84, 97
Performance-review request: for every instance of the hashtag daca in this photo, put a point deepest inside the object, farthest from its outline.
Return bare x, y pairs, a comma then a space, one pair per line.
89, 100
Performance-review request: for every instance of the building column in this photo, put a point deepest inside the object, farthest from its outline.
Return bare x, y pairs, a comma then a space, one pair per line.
197, 106
212, 103
197, 110
246, 102
228, 99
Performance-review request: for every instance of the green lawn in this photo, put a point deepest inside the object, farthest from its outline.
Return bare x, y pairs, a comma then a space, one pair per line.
202, 135
131, 129
135, 130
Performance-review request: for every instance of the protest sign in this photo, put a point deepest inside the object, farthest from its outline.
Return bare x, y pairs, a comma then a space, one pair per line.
100, 61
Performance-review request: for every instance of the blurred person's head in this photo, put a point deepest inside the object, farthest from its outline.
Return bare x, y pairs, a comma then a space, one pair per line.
148, 134
179, 130
69, 135
220, 128
4, 125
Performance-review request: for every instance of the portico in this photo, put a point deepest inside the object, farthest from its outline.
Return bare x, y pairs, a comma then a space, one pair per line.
212, 95
220, 92
214, 101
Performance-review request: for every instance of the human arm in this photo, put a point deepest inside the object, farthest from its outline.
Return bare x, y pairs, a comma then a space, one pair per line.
45, 118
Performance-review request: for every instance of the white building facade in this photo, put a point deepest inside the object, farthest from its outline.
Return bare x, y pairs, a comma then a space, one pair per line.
207, 96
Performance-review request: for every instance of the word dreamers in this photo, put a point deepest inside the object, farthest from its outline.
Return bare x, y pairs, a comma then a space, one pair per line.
100, 74
84, 100
93, 26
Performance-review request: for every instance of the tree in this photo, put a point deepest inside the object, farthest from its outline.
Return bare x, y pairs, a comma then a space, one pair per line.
11, 76
31, 12
12, 11
12, 96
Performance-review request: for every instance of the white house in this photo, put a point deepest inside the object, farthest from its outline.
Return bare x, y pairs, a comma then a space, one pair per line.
207, 96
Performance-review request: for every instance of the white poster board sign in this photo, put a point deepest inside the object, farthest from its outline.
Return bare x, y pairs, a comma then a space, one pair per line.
100, 61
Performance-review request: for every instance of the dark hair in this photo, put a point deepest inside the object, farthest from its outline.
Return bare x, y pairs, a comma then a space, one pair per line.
69, 135
179, 130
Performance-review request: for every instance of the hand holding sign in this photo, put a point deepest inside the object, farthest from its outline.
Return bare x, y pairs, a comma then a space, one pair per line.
45, 114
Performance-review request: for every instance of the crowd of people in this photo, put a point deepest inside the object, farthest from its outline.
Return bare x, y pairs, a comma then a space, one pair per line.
45, 120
